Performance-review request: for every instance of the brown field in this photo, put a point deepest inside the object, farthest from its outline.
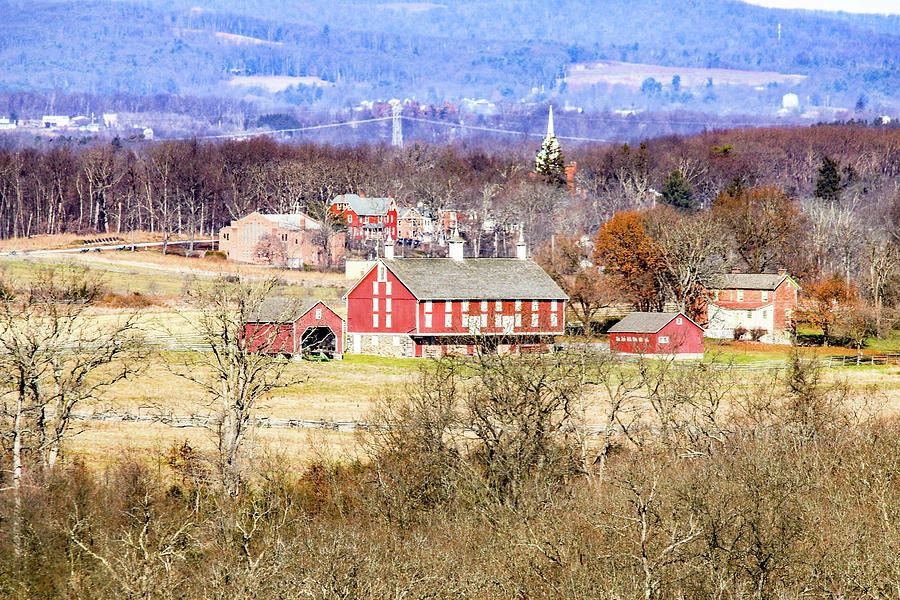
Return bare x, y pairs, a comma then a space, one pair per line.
613, 72
70, 240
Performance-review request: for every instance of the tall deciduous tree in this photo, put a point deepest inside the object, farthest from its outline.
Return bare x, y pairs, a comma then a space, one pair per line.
826, 302
630, 257
763, 223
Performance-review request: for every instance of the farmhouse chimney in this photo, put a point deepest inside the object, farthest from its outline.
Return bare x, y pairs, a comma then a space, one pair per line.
456, 246
389, 249
521, 248
735, 270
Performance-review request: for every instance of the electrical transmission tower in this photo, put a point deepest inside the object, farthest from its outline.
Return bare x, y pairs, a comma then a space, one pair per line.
397, 137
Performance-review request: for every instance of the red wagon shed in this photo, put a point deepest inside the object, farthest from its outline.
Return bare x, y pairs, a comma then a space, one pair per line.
288, 326
657, 335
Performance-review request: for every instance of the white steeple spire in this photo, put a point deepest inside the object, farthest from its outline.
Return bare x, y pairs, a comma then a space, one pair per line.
550, 124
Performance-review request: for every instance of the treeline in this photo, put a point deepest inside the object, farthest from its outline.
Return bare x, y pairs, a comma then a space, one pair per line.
699, 484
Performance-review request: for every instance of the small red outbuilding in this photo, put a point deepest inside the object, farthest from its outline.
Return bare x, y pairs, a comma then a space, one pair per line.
288, 326
657, 335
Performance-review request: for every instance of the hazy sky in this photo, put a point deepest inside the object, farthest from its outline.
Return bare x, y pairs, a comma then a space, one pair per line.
858, 6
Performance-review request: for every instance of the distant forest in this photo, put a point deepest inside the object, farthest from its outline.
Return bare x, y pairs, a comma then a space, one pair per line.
434, 52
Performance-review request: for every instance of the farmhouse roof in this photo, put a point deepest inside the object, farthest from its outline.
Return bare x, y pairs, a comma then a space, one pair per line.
364, 206
282, 310
646, 322
752, 281
475, 279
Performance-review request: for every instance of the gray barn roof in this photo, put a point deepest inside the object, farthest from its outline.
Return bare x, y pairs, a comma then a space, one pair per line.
475, 279
645, 322
364, 206
750, 281
281, 310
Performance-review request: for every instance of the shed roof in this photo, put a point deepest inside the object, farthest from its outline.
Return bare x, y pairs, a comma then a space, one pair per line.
751, 281
475, 279
364, 206
646, 322
282, 310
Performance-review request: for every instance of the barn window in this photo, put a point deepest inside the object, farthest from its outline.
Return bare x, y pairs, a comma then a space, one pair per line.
664, 339
484, 306
518, 305
740, 295
484, 319
318, 314
553, 319
534, 319
465, 306
448, 319
553, 305
499, 305
679, 321
387, 304
765, 296
387, 320
497, 320
428, 306
427, 320
448, 306
375, 304
374, 320
518, 319
534, 305
375, 287
382, 272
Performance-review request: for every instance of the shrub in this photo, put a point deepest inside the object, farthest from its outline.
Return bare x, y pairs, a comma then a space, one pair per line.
739, 332
757, 333
215, 255
132, 300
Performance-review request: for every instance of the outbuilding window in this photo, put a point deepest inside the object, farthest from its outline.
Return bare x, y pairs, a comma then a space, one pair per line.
318, 314
663, 339
679, 321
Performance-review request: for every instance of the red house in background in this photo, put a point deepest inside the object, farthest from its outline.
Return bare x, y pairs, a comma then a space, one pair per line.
436, 306
657, 335
367, 218
288, 326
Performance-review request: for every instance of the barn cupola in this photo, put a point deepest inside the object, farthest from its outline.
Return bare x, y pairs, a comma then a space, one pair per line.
389, 249
456, 246
521, 248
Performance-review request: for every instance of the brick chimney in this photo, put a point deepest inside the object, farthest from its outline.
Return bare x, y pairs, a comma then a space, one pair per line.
735, 270
521, 248
782, 272
456, 246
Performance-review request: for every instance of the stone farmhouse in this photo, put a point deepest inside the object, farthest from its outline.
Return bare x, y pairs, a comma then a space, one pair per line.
367, 218
289, 240
455, 305
753, 301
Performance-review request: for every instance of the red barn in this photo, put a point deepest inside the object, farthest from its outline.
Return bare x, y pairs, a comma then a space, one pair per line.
288, 326
657, 335
367, 218
436, 306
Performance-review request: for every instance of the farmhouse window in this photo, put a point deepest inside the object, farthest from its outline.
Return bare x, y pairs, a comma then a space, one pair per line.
296, 241
553, 305
740, 295
349, 218
428, 320
375, 304
226, 237
484, 306
749, 314
765, 314
664, 339
553, 319
499, 305
283, 237
518, 305
318, 314
497, 320
374, 320
534, 305
679, 321
448, 306
484, 319
765, 296
465, 306
387, 320
448, 319
518, 319
428, 306
534, 319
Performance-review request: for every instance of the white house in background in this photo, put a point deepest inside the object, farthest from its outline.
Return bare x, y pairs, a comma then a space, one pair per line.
55, 121
5, 124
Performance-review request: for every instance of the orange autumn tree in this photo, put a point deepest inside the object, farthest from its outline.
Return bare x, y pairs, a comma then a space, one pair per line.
826, 303
630, 259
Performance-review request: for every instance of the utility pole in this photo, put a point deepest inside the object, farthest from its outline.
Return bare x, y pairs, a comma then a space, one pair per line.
397, 138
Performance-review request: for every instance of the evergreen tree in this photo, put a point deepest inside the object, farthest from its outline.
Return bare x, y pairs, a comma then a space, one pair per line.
549, 160
677, 191
828, 184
